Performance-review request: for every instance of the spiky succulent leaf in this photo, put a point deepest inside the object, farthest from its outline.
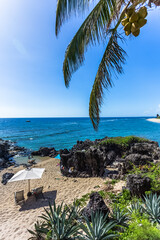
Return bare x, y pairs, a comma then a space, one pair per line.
120, 217
98, 228
58, 223
135, 207
152, 207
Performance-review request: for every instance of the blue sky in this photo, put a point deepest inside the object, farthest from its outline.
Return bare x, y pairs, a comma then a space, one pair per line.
31, 58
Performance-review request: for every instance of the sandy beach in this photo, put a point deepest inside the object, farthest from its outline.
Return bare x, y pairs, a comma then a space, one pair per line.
156, 120
15, 220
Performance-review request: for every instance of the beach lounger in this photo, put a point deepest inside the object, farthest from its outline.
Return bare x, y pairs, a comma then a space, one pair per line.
38, 193
19, 197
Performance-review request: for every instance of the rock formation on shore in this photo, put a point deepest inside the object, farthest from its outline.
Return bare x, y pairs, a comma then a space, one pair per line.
92, 158
45, 151
95, 204
8, 150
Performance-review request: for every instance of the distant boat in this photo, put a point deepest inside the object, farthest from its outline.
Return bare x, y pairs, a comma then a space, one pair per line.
27, 120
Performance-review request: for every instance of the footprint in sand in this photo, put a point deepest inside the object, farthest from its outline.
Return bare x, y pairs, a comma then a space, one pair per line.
16, 229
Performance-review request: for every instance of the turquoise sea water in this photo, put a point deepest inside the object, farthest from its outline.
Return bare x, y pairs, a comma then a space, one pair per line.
64, 132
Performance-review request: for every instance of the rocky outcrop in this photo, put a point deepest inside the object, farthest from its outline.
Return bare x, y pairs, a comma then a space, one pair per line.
82, 163
91, 158
95, 204
45, 151
135, 160
6, 177
8, 150
138, 185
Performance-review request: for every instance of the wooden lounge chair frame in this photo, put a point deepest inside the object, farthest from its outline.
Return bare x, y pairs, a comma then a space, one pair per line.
19, 197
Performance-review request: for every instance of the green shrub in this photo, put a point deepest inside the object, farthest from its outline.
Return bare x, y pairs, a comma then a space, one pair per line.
152, 171
123, 141
103, 194
141, 229
122, 200
83, 200
113, 181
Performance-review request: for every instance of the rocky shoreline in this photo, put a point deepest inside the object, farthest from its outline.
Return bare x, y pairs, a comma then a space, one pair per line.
9, 150
90, 158
112, 156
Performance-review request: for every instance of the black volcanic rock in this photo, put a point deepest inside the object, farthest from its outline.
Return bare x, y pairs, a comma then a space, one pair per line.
45, 151
136, 160
138, 185
91, 158
82, 163
95, 204
146, 148
8, 150
6, 177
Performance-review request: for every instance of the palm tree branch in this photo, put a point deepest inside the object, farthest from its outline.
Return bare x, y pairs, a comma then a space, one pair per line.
91, 31
65, 8
111, 63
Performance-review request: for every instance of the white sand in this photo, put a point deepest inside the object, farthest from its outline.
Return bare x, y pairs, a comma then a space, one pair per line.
15, 220
156, 120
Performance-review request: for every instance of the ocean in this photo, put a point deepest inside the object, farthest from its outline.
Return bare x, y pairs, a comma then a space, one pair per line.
63, 133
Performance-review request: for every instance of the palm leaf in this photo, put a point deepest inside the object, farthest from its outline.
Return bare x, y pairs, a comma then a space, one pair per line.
65, 8
111, 63
91, 31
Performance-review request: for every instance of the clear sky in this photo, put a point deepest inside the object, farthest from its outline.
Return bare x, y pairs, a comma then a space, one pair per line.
31, 58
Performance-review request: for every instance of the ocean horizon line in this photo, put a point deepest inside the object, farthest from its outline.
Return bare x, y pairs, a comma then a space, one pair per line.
73, 117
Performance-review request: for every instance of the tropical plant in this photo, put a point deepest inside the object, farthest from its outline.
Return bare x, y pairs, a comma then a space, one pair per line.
59, 223
102, 24
152, 207
38, 233
135, 207
120, 216
99, 228
140, 229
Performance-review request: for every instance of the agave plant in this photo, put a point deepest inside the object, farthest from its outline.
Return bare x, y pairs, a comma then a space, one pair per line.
99, 228
58, 224
103, 24
120, 216
135, 207
73, 211
39, 232
152, 207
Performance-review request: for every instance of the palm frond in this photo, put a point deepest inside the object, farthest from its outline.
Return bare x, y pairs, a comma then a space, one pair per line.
111, 64
91, 31
65, 8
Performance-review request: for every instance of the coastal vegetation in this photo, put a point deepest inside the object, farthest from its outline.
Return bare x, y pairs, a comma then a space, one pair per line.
103, 24
131, 214
138, 219
123, 141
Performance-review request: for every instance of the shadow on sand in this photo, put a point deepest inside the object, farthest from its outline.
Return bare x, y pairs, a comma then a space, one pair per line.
31, 202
